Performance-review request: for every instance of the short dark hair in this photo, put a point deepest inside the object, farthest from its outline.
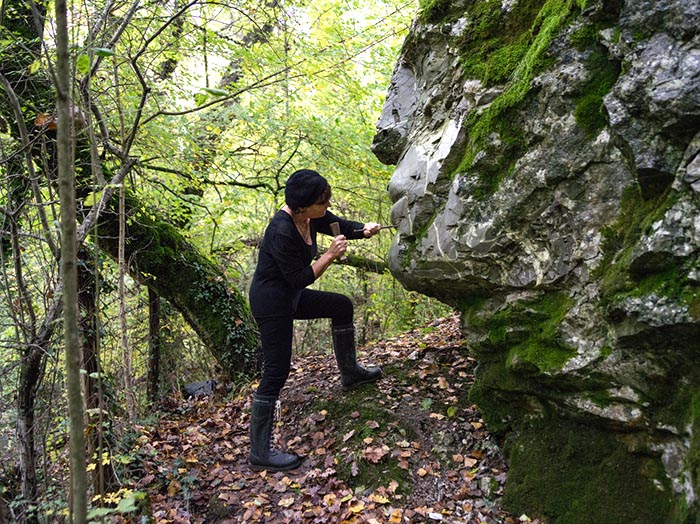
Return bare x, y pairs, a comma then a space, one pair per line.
304, 188
324, 197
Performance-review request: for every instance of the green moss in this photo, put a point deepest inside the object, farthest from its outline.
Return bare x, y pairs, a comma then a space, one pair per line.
635, 215
581, 475
589, 111
693, 300
434, 11
493, 382
678, 405
691, 514
665, 275
391, 430
495, 42
528, 331
511, 48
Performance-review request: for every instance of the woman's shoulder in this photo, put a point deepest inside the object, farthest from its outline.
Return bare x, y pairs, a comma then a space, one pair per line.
281, 224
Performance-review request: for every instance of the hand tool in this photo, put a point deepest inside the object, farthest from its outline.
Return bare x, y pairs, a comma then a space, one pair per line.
382, 227
335, 229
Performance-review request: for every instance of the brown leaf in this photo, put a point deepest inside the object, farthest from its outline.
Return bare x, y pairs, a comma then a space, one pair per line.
376, 454
174, 487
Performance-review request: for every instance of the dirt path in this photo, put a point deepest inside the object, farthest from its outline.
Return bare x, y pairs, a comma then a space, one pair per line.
410, 449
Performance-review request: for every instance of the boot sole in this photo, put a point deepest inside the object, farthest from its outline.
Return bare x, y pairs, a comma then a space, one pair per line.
261, 467
356, 385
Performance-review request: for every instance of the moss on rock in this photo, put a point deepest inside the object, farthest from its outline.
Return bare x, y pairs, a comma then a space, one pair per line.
527, 331
583, 475
510, 49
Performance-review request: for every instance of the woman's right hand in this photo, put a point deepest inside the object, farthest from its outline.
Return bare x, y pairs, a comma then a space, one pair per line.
338, 246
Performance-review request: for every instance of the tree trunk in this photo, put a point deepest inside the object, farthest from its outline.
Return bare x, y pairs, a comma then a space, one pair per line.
154, 346
69, 268
162, 258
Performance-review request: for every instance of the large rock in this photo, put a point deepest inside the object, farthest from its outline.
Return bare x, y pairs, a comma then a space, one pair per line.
547, 184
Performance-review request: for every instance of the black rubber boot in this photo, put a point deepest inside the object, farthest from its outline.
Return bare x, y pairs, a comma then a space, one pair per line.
262, 454
351, 373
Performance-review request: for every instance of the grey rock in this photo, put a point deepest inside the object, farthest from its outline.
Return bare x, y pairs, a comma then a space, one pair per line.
573, 255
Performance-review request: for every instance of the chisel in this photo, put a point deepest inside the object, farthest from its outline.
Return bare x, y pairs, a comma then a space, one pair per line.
382, 227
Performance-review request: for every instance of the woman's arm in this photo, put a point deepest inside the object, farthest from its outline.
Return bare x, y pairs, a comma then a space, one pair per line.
350, 229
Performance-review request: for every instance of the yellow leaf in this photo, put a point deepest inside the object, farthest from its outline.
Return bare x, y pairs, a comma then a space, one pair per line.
357, 507
395, 517
379, 499
286, 502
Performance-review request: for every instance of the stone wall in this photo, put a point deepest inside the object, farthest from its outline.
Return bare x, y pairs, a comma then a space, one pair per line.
547, 184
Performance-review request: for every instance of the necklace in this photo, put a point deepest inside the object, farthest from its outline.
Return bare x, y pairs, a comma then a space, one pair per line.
304, 230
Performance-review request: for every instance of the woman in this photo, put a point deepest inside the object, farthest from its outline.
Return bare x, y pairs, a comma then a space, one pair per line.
278, 295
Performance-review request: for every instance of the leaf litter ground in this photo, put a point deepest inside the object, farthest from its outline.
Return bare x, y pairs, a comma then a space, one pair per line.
409, 449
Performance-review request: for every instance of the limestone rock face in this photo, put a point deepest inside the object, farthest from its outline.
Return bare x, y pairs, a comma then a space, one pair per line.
547, 184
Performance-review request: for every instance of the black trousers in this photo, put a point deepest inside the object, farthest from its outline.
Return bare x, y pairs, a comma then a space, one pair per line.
276, 334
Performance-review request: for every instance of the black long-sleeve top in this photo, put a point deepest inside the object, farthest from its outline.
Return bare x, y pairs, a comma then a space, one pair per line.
284, 262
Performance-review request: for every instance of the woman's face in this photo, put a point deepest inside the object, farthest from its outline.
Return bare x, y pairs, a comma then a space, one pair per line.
318, 210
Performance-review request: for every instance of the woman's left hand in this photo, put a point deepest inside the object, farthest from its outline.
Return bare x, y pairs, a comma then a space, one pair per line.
371, 229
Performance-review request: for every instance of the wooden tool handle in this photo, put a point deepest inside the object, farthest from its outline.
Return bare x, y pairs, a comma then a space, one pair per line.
335, 229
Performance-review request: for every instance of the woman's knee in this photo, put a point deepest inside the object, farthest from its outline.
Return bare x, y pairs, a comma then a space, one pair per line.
343, 311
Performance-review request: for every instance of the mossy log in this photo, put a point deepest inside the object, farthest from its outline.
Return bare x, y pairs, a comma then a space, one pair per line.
161, 257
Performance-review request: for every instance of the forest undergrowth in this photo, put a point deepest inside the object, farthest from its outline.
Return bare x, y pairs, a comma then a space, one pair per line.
409, 449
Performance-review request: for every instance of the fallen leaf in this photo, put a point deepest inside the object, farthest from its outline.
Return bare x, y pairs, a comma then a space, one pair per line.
376, 454
379, 499
174, 487
286, 502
